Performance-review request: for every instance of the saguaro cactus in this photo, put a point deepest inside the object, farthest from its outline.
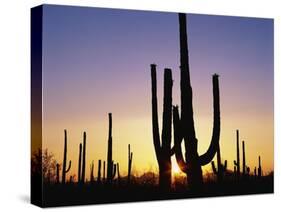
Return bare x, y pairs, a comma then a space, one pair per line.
163, 150
244, 170
92, 166
99, 172
130, 159
64, 169
83, 159
110, 163
184, 127
221, 168
237, 161
259, 168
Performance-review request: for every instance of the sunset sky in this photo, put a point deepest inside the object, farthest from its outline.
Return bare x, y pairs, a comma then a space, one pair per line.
97, 61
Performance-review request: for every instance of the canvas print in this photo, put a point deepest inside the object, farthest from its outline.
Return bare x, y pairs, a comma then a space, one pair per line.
132, 105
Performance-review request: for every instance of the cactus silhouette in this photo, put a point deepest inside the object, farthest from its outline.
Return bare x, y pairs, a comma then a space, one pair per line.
83, 159
92, 166
221, 168
103, 175
193, 162
79, 162
259, 168
99, 172
111, 167
244, 170
163, 149
237, 161
130, 159
64, 169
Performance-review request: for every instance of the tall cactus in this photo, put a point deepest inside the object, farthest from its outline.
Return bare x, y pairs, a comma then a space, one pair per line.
221, 168
237, 161
184, 127
259, 168
64, 169
99, 172
83, 159
130, 159
103, 174
244, 170
109, 148
163, 149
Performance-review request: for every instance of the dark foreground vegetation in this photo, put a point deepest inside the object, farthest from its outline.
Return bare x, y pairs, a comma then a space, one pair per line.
76, 194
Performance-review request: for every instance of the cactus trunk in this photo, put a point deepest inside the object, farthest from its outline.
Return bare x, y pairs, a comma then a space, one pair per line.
237, 162
92, 172
193, 162
163, 151
64, 169
99, 172
83, 159
111, 167
243, 159
259, 168
130, 158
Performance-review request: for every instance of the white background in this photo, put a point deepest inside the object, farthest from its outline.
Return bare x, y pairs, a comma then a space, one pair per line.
15, 102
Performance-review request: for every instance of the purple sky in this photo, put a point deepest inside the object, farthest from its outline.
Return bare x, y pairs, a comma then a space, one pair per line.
97, 61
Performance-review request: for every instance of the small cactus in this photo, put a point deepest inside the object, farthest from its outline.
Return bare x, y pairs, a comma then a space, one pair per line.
83, 159
64, 169
259, 168
130, 158
221, 168
237, 161
99, 172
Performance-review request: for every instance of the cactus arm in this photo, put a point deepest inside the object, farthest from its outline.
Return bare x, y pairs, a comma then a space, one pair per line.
69, 166
214, 168
167, 113
178, 139
208, 156
155, 125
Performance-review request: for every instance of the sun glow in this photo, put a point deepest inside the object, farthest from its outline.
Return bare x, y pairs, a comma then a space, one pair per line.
175, 167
